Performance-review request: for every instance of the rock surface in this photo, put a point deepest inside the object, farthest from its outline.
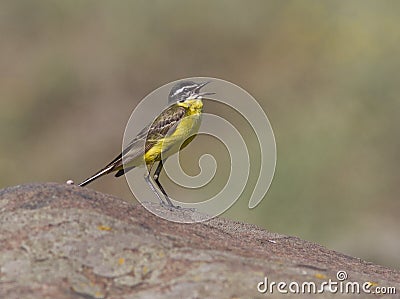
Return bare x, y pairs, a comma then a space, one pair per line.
63, 241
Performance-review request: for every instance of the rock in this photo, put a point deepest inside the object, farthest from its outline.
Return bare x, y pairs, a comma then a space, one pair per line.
64, 241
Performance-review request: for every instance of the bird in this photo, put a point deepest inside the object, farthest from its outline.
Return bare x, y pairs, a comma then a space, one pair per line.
170, 132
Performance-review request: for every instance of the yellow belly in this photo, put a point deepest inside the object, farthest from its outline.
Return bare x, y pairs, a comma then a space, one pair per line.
181, 137
184, 133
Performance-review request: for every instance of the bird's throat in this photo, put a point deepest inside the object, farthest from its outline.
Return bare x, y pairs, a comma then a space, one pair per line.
193, 106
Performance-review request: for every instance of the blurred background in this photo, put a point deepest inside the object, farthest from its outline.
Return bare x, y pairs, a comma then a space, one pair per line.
326, 74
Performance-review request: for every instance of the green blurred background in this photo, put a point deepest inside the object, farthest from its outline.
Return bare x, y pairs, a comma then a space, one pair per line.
326, 73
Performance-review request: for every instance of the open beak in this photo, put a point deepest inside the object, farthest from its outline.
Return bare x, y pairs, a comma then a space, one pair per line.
202, 94
200, 86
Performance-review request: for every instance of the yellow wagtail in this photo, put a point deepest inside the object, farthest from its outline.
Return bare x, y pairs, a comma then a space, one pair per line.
171, 131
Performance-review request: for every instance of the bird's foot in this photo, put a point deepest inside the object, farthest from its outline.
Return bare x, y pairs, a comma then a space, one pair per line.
169, 205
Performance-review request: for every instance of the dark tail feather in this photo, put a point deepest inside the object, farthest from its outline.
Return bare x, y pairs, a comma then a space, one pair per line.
123, 171
97, 175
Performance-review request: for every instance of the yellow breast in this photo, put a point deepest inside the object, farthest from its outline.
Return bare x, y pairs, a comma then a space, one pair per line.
184, 133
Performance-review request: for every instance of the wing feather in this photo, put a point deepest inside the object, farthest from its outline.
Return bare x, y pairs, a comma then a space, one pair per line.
162, 126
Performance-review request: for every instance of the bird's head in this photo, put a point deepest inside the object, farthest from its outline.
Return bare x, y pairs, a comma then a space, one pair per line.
184, 90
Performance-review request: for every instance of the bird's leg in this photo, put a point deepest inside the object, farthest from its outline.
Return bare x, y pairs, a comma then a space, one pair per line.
148, 181
156, 177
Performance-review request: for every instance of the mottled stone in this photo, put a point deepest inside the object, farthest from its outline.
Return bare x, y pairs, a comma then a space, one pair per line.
64, 241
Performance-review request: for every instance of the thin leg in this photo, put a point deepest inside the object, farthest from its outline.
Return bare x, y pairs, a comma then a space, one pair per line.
156, 177
148, 181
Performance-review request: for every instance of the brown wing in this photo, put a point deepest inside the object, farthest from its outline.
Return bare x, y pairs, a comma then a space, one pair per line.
163, 125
